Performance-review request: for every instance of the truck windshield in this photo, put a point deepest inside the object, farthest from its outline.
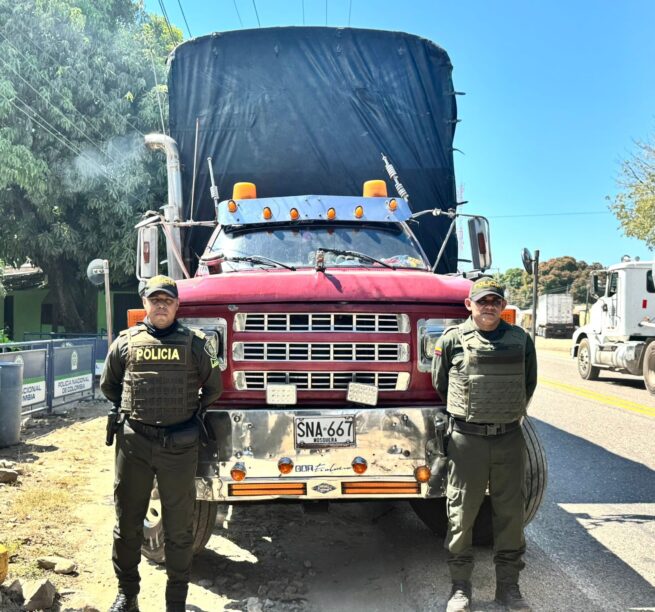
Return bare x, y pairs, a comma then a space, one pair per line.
297, 245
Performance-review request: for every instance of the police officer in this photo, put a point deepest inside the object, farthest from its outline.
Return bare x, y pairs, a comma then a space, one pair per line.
152, 375
486, 370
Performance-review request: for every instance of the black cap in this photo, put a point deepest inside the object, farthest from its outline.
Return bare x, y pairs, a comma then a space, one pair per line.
161, 283
486, 286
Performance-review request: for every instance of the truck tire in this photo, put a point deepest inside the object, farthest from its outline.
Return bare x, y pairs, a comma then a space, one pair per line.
586, 370
433, 511
649, 368
204, 520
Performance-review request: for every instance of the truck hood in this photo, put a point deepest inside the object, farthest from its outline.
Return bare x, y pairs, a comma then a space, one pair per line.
391, 286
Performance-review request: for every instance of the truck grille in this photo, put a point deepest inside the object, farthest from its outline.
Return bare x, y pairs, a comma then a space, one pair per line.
319, 351
321, 322
321, 381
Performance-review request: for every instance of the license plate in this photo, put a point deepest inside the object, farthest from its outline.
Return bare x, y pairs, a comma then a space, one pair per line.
321, 432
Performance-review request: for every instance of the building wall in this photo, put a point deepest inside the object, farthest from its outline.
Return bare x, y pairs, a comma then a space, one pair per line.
27, 312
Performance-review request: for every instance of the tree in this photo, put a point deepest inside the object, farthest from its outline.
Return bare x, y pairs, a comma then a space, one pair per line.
77, 92
634, 206
557, 275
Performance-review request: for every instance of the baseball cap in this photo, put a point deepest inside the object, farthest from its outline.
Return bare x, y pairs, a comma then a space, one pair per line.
162, 283
486, 286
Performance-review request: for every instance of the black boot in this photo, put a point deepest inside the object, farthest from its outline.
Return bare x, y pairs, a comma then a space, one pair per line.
509, 595
125, 603
460, 597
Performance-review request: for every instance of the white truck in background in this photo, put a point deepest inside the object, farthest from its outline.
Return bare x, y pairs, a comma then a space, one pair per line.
555, 315
620, 334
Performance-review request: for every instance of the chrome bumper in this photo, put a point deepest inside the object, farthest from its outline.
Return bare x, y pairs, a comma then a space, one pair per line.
393, 441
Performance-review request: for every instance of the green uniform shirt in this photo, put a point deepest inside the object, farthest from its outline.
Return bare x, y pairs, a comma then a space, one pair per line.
449, 354
111, 382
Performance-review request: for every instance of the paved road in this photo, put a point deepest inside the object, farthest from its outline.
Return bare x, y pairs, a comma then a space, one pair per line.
591, 547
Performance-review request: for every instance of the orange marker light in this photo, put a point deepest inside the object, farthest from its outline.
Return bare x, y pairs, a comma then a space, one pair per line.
393, 205
294, 214
359, 212
244, 191
266, 213
285, 465
331, 214
238, 471
422, 473
359, 465
232, 206
375, 189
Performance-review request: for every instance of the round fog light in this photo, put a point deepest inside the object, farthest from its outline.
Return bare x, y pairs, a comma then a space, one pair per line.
238, 471
359, 465
422, 473
285, 465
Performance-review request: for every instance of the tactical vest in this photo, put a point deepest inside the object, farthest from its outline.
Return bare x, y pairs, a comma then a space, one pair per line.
160, 386
489, 385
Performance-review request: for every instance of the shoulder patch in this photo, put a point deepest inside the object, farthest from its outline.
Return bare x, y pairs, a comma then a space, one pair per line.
199, 333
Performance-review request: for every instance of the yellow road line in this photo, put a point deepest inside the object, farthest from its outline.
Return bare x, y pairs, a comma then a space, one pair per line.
611, 400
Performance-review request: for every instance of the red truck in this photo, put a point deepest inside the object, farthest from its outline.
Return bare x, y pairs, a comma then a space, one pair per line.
325, 302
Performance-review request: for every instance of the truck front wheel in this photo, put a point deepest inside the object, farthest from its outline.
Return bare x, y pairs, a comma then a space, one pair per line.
204, 521
649, 368
433, 511
586, 370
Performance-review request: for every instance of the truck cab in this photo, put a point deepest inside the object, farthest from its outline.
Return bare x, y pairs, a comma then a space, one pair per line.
621, 324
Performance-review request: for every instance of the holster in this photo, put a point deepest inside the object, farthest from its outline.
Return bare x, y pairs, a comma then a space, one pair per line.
115, 421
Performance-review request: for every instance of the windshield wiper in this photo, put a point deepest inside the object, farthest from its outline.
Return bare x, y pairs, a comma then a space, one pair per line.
356, 255
260, 259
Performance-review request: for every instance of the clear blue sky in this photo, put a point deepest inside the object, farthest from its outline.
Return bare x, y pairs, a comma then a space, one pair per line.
556, 93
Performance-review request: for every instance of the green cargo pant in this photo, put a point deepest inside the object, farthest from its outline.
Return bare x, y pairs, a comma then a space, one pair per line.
474, 462
138, 460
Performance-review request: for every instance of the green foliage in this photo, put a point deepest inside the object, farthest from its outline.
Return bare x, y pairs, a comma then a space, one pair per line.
557, 275
634, 206
77, 92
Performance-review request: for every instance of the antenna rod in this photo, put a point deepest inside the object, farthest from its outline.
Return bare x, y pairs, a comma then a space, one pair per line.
393, 175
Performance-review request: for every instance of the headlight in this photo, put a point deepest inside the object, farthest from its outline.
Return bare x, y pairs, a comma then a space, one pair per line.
211, 325
429, 331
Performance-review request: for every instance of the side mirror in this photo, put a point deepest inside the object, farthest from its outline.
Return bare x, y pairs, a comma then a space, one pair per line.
480, 244
147, 253
526, 258
211, 264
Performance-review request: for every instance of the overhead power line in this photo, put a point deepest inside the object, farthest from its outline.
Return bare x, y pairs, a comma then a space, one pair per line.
179, 3
50, 84
256, 13
236, 8
559, 214
60, 112
165, 14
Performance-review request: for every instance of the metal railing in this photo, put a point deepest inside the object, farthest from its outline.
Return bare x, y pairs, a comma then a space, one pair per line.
56, 371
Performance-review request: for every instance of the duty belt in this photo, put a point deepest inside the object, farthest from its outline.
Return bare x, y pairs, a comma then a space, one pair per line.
153, 432
484, 429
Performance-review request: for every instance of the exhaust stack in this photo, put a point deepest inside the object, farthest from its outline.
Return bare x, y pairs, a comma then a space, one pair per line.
173, 210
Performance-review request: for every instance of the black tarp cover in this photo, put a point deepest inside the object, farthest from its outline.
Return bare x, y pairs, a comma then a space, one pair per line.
308, 110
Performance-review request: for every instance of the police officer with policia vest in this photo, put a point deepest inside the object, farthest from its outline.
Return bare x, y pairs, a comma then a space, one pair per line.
152, 375
486, 370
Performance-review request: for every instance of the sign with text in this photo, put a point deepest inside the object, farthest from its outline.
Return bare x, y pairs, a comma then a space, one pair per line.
34, 374
74, 368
